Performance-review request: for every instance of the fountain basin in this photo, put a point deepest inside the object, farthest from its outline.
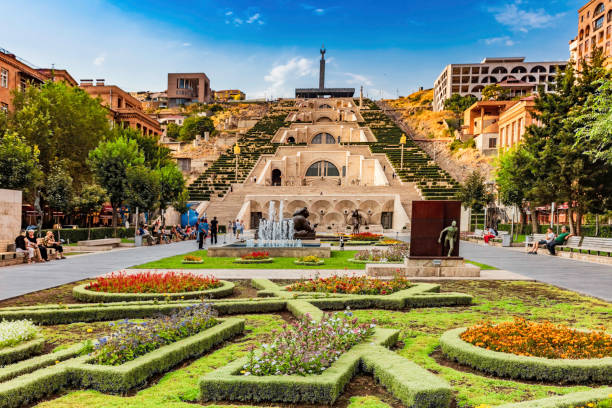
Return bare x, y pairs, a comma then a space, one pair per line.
238, 250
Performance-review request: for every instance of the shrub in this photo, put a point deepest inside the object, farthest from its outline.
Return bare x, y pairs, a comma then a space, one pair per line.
365, 236
133, 340
308, 347
396, 253
14, 332
256, 255
309, 259
150, 282
548, 340
359, 285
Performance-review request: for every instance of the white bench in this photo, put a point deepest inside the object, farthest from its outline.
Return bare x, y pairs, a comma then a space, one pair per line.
601, 246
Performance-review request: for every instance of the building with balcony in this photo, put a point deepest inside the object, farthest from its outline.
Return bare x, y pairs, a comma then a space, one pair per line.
185, 89
594, 31
514, 73
481, 122
15, 73
514, 121
123, 108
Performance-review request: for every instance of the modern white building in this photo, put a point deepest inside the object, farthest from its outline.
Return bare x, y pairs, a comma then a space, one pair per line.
514, 73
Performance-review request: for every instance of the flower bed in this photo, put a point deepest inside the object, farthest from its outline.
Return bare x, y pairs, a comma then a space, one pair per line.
133, 340
190, 259
548, 340
365, 236
257, 257
150, 282
389, 242
15, 332
309, 260
308, 347
357, 285
394, 254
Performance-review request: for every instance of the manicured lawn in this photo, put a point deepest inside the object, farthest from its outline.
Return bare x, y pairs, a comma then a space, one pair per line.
338, 260
483, 267
420, 331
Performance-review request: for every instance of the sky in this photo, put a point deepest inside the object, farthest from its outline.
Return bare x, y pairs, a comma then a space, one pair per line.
267, 48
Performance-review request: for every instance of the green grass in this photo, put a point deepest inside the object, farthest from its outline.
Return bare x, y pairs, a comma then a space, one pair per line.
338, 260
483, 267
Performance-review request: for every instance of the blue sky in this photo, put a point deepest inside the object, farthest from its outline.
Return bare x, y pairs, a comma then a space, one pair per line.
269, 47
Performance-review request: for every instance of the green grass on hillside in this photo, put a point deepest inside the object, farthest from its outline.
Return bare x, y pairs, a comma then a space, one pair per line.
338, 260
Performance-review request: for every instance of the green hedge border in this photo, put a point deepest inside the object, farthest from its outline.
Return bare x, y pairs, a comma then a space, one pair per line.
253, 261
85, 295
302, 263
35, 363
9, 355
192, 262
122, 378
521, 367
564, 401
225, 383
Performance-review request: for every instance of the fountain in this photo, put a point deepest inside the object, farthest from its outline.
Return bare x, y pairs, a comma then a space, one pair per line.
277, 236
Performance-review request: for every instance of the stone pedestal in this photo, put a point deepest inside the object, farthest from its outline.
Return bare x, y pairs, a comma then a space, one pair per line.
453, 267
10, 217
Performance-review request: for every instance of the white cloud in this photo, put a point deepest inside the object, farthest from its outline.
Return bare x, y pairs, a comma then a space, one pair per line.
505, 40
320, 11
356, 79
229, 13
186, 44
516, 17
281, 77
238, 21
99, 60
253, 18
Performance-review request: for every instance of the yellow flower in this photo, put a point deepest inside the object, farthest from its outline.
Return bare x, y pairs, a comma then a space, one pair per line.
590, 405
57, 361
243, 371
182, 297
89, 330
610, 396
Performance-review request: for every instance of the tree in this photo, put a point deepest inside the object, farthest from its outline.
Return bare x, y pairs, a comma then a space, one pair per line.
58, 188
110, 162
595, 124
195, 125
474, 194
172, 185
458, 104
91, 199
173, 131
143, 188
514, 179
64, 122
495, 92
18, 163
155, 155
181, 204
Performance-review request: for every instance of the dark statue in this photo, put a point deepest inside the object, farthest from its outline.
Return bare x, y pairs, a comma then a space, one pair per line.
356, 221
301, 225
450, 238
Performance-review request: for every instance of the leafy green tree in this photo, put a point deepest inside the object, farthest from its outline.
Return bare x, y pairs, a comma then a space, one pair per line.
143, 188
458, 104
58, 190
173, 131
172, 185
91, 198
514, 179
110, 162
3, 123
195, 125
595, 124
181, 202
18, 163
64, 122
474, 194
495, 92
155, 155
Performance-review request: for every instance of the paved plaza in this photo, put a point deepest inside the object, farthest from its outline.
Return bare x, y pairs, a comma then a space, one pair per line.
587, 278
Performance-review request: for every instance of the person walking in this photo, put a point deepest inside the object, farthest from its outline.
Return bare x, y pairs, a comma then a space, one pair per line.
214, 229
235, 228
241, 228
202, 233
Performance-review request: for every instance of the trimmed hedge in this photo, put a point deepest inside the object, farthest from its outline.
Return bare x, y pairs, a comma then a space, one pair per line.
565, 401
80, 234
21, 351
413, 385
253, 261
225, 383
301, 308
35, 363
119, 379
85, 295
562, 371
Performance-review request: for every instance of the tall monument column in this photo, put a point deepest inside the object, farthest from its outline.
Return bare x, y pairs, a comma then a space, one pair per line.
322, 69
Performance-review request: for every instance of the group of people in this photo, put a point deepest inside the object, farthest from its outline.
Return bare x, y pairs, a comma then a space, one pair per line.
550, 241
205, 230
162, 235
37, 249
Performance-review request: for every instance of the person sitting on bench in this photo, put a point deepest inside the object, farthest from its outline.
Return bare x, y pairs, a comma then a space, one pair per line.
550, 236
490, 233
50, 242
560, 240
21, 245
145, 234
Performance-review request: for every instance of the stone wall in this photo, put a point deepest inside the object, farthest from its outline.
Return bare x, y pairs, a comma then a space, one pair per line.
10, 216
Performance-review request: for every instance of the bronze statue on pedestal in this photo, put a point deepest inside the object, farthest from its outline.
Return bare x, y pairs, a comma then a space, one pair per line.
451, 237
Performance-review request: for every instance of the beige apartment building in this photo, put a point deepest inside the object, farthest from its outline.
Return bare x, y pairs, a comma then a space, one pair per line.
594, 31
515, 74
514, 121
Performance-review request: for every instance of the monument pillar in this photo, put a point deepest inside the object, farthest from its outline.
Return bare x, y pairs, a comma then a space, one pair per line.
322, 69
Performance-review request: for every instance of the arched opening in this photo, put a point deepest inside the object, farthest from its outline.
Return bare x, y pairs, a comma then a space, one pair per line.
499, 70
322, 169
508, 78
325, 106
538, 69
519, 70
528, 78
599, 9
609, 16
277, 179
489, 80
478, 88
323, 138
582, 33
323, 119
291, 140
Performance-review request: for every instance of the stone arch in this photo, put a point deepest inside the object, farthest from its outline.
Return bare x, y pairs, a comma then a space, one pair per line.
489, 80
324, 119
324, 170
291, 140
333, 218
325, 106
508, 77
519, 70
478, 88
347, 205
538, 69
499, 70
294, 205
371, 205
323, 138
529, 78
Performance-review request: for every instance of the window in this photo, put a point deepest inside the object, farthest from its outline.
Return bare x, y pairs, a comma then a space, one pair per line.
598, 23
492, 143
322, 169
499, 70
318, 139
599, 9
4, 78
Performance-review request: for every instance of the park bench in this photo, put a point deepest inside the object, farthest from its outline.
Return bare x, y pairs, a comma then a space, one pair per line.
478, 234
571, 244
530, 239
596, 246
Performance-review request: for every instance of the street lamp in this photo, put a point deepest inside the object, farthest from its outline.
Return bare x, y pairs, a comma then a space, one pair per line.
237, 153
402, 142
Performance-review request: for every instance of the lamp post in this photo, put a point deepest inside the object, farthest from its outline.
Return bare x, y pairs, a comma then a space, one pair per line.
402, 143
237, 153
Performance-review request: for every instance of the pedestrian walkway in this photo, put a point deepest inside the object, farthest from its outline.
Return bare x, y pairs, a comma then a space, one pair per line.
20, 279
583, 277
